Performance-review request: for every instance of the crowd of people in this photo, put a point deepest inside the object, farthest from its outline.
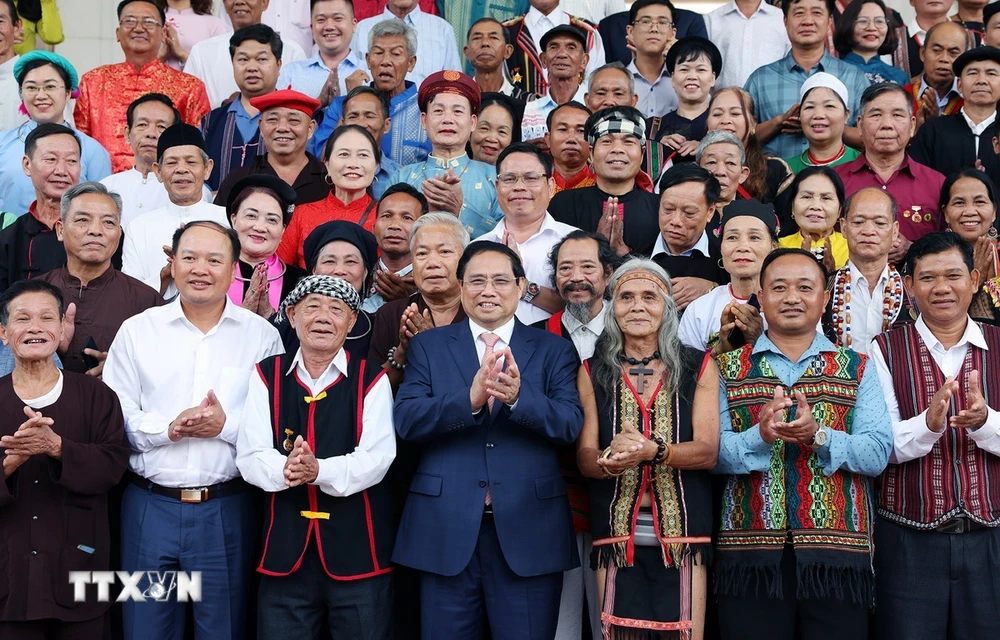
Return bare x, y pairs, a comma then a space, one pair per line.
547, 320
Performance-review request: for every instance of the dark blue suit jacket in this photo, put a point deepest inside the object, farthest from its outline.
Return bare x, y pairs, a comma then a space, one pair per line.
514, 452
612, 29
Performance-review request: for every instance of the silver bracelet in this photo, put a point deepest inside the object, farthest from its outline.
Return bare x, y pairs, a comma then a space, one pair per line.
392, 362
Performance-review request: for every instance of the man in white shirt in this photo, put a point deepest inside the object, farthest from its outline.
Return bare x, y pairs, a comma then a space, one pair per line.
181, 372
182, 166
211, 62
750, 34
10, 95
867, 290
330, 515
524, 188
592, 10
325, 75
437, 49
290, 18
938, 509
147, 117
564, 57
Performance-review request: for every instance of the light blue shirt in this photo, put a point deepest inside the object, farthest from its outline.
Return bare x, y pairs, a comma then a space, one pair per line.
480, 207
245, 123
385, 172
309, 76
437, 49
406, 141
865, 450
16, 191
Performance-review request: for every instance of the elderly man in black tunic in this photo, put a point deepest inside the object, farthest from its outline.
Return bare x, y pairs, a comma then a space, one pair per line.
64, 446
317, 434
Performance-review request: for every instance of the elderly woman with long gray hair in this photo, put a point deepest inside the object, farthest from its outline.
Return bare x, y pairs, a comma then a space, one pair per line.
650, 436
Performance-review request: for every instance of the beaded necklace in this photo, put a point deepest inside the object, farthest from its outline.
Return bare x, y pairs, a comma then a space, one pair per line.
813, 161
892, 302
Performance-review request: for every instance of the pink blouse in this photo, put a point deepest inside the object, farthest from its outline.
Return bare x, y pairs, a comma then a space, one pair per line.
192, 28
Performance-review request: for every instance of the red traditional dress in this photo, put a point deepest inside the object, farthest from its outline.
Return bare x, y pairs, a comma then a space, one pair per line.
106, 93
584, 178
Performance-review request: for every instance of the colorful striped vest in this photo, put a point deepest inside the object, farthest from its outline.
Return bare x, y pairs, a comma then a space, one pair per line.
956, 477
827, 520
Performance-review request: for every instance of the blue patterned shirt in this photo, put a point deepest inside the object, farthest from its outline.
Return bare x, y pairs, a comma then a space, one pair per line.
480, 207
406, 141
775, 88
864, 451
877, 70
385, 172
309, 76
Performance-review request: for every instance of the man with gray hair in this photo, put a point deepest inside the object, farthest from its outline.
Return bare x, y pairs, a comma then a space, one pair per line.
182, 165
392, 54
98, 297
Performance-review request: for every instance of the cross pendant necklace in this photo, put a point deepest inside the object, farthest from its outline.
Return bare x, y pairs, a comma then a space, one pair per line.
641, 369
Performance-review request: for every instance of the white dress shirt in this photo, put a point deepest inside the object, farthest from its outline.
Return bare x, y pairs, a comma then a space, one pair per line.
263, 466
656, 99
535, 258
866, 310
592, 10
539, 24
290, 18
912, 439
978, 129
210, 62
141, 194
142, 255
10, 97
437, 49
746, 43
161, 365
504, 332
585, 336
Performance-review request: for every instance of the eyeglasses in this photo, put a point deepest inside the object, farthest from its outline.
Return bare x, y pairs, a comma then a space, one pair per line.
131, 23
881, 23
647, 23
32, 90
530, 179
501, 284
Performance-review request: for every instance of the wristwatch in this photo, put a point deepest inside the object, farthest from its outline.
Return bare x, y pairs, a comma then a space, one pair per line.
820, 437
530, 292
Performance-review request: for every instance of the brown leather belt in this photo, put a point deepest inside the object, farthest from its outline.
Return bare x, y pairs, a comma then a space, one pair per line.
194, 494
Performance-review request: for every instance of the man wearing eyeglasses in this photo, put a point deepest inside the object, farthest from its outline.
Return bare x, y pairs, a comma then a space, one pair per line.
524, 188
106, 92
651, 32
487, 522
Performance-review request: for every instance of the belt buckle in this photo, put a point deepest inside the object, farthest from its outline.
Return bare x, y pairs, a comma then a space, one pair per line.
194, 495
954, 526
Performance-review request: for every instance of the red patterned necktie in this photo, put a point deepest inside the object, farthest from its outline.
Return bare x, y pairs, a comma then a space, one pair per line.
490, 340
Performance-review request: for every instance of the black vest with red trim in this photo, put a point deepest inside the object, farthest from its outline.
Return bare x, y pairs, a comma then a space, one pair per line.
356, 540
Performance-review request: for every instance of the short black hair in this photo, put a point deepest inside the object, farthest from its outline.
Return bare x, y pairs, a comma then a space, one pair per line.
503, 29
642, 4
258, 33
44, 131
605, 254
407, 189
825, 171
787, 6
968, 172
22, 287
690, 49
229, 232
159, 8
485, 246
934, 243
313, 3
151, 97
786, 251
875, 90
572, 104
365, 90
42, 62
690, 172
531, 150
345, 128
843, 31
14, 16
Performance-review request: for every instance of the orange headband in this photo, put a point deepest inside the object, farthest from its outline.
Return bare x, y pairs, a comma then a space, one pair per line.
639, 274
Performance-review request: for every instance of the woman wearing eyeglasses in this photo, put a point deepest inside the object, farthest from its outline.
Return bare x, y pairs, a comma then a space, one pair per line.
865, 32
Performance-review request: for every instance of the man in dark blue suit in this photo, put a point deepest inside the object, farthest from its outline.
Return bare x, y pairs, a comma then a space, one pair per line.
487, 521
613, 32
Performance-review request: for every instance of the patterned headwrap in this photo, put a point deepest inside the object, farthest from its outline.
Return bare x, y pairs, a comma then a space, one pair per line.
627, 120
336, 288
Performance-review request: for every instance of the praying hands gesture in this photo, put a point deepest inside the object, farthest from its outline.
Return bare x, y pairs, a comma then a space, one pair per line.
927, 106
204, 421
738, 316
612, 226
34, 437
410, 324
771, 416
628, 448
257, 298
301, 467
975, 413
166, 276
444, 193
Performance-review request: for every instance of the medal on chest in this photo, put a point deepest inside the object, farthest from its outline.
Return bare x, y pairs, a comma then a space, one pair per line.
287, 444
